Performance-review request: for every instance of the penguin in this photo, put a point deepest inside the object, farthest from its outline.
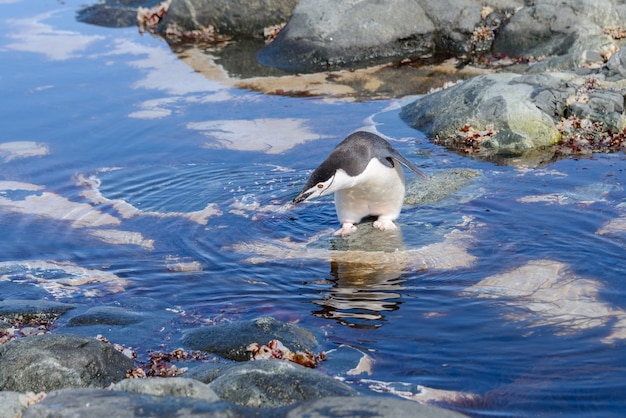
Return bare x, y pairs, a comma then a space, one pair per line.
365, 173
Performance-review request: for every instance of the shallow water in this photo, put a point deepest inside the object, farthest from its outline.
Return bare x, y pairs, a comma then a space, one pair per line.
118, 158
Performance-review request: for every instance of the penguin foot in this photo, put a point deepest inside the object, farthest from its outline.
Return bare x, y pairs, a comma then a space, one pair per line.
346, 229
385, 224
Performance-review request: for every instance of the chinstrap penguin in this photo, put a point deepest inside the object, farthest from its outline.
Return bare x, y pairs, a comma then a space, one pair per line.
365, 174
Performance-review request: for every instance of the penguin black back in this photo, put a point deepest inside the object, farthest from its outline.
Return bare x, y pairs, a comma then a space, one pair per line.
354, 153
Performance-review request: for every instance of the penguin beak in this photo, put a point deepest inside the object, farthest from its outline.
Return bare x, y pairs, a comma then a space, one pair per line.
304, 195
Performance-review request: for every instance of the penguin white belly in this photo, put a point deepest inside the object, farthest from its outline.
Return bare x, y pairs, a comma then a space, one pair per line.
377, 191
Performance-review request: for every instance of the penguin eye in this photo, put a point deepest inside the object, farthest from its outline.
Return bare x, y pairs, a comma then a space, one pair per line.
320, 185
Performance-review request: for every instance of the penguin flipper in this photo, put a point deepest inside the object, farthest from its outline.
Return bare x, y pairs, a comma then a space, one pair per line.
400, 158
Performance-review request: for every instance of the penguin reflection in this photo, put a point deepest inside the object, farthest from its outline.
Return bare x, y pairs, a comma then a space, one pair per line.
366, 275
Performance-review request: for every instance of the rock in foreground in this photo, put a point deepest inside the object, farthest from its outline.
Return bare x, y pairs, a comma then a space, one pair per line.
49, 362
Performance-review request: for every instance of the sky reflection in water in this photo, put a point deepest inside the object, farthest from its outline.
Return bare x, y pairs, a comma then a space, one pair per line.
124, 173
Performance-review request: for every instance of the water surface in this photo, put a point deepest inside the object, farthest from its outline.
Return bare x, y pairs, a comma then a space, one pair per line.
118, 158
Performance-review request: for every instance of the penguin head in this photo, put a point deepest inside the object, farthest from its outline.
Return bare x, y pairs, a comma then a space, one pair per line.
325, 180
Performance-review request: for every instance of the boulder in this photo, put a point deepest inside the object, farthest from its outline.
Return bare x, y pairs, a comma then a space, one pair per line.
275, 383
236, 18
232, 340
100, 403
515, 113
48, 362
173, 386
511, 114
113, 13
328, 34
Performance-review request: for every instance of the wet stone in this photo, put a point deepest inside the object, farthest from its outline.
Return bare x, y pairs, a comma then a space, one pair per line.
231, 340
439, 185
49, 362
208, 372
105, 404
274, 383
173, 386
10, 308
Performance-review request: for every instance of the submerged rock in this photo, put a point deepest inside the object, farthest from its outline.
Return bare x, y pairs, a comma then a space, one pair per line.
49, 362
231, 341
274, 383
439, 185
547, 292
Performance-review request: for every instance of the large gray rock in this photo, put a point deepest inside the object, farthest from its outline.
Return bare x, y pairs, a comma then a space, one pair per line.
328, 34
231, 340
172, 386
371, 407
503, 102
48, 362
239, 18
14, 403
274, 383
553, 27
100, 403
511, 114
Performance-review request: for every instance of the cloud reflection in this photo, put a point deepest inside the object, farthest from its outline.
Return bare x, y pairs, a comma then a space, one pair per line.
31, 35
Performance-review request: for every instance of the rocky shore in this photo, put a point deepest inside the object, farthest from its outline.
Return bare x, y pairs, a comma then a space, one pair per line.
237, 369
553, 73
546, 82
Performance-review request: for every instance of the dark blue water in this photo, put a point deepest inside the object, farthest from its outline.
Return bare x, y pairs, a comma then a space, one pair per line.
117, 157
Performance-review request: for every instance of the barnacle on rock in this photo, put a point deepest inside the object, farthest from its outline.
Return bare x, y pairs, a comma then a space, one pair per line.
468, 138
582, 136
277, 350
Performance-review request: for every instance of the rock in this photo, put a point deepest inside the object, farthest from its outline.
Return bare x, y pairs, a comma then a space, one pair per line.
100, 403
237, 18
48, 362
615, 69
327, 34
439, 185
231, 340
207, 372
363, 406
512, 115
274, 383
503, 105
173, 386
113, 13
14, 403
124, 323
330, 35
555, 28
27, 308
